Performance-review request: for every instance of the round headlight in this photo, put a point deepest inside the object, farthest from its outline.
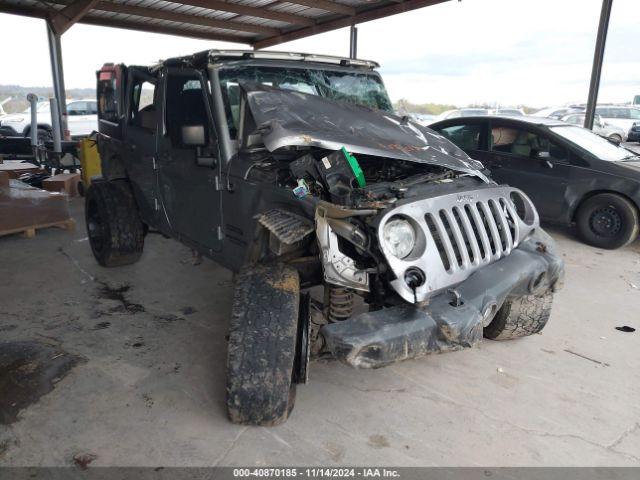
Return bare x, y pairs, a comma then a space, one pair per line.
399, 237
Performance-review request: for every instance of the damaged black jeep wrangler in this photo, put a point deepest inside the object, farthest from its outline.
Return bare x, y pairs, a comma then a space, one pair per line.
353, 232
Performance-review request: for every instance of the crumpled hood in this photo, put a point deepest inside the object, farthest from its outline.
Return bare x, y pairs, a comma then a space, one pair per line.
287, 118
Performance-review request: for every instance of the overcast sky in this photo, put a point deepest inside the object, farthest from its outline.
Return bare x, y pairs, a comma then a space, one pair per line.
534, 52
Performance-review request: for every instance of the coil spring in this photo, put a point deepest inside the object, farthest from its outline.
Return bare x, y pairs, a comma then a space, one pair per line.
340, 304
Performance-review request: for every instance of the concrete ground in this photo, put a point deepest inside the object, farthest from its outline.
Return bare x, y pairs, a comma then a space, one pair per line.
142, 373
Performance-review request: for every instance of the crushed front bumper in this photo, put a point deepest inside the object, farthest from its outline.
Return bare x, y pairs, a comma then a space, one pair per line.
379, 338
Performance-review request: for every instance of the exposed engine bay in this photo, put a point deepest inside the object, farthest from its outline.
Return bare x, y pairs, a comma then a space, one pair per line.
400, 214
373, 183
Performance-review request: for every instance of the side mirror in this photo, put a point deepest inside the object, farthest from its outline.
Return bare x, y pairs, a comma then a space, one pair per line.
194, 136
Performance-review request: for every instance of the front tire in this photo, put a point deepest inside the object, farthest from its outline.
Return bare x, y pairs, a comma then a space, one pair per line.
520, 317
607, 221
617, 139
262, 345
114, 227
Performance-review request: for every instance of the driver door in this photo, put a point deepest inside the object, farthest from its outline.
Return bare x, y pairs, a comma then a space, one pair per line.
188, 167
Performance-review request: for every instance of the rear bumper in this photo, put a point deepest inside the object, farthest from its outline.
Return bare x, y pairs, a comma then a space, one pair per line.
379, 338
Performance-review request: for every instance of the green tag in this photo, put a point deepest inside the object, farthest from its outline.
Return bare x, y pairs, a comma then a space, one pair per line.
355, 168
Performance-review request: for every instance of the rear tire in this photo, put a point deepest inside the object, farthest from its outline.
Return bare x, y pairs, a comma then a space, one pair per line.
607, 221
520, 317
262, 345
116, 232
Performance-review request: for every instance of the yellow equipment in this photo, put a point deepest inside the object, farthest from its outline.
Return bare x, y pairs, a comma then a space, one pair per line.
89, 163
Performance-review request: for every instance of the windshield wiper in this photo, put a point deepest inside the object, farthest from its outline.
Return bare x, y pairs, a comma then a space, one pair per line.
629, 158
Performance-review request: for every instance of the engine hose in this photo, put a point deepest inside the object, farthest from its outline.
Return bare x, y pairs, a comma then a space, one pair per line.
340, 303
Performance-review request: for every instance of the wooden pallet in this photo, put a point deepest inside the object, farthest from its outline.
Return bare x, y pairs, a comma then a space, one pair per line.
29, 231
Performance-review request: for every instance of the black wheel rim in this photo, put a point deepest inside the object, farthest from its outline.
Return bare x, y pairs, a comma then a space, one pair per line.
95, 227
606, 222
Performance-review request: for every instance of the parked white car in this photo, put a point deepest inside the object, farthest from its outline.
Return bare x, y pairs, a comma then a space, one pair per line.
2, 103
623, 116
600, 127
462, 112
82, 120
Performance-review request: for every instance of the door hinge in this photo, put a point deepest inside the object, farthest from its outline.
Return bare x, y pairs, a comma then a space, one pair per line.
220, 234
155, 204
155, 166
216, 184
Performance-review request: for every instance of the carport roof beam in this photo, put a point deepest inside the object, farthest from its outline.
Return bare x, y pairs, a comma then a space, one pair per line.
259, 23
365, 15
64, 19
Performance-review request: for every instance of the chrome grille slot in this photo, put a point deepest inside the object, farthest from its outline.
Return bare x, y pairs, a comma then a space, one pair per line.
473, 234
462, 232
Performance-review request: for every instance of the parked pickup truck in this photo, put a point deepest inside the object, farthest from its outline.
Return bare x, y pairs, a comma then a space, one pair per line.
82, 119
292, 171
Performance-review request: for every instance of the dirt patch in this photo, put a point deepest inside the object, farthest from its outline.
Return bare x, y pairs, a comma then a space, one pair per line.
378, 441
101, 326
117, 294
29, 370
83, 460
167, 318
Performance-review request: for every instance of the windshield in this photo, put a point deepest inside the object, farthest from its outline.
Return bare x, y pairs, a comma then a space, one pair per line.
593, 144
474, 111
362, 88
40, 107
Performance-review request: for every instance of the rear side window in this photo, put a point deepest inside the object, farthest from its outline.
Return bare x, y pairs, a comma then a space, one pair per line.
524, 143
621, 113
143, 111
575, 119
467, 137
107, 97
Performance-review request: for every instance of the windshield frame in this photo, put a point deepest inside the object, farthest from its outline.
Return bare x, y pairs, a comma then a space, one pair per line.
625, 153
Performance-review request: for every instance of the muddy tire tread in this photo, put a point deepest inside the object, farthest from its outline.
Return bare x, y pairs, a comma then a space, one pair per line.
262, 345
520, 317
124, 242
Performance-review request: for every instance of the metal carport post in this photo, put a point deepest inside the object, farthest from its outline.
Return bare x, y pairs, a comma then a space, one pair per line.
57, 74
57, 24
598, 58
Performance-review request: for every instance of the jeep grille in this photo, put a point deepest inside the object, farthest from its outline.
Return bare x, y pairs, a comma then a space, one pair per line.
458, 234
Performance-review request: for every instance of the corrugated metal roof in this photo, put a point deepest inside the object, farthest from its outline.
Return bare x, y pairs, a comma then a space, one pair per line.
259, 23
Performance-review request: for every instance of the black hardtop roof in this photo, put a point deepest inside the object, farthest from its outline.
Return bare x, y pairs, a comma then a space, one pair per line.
201, 59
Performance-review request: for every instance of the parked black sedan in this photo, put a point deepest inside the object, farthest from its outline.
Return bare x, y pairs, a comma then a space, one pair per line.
572, 175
